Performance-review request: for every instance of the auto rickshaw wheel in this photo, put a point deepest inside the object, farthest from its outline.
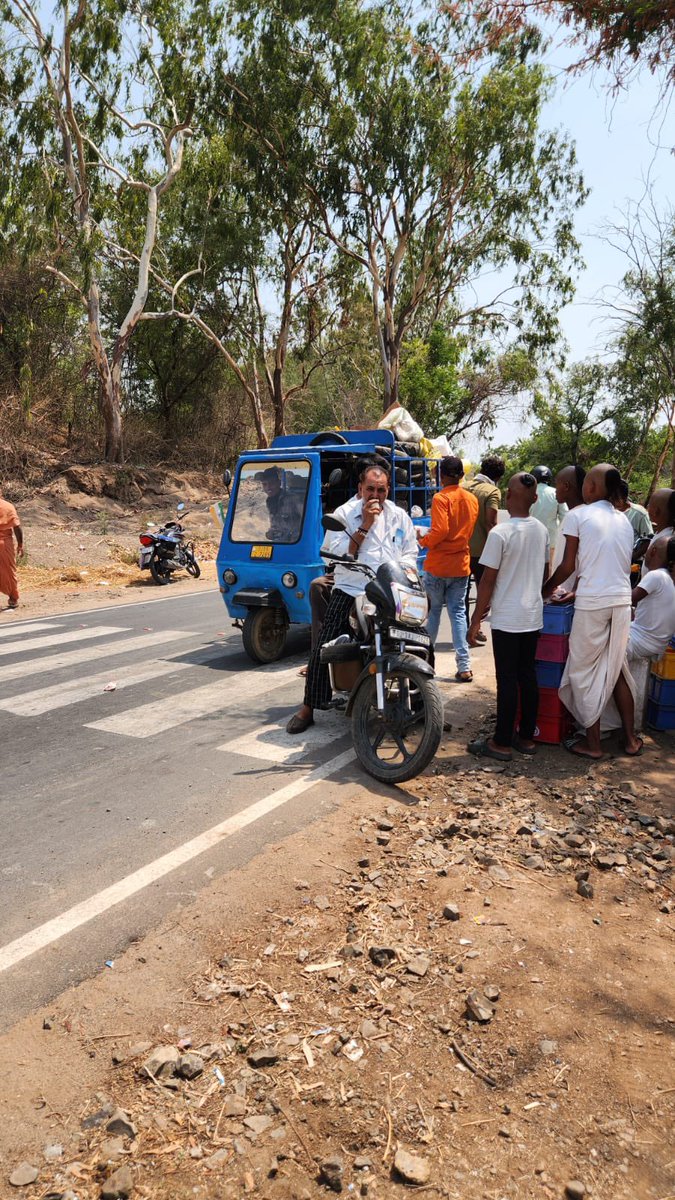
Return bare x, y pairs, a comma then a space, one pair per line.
264, 634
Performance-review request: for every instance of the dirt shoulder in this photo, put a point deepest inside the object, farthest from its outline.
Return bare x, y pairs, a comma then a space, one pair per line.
339, 1010
82, 532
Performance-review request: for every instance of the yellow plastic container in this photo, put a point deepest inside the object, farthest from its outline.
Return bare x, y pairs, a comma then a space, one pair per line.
665, 667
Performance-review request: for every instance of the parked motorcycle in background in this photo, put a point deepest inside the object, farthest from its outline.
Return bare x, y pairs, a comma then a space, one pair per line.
166, 551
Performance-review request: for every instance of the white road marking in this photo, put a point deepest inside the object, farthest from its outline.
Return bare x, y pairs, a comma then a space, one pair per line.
73, 658
273, 744
227, 692
58, 639
33, 627
80, 914
59, 695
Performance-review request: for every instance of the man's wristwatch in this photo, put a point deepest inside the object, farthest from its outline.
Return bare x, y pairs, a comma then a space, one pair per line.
362, 530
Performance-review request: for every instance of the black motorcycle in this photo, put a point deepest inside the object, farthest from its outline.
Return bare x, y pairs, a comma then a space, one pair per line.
386, 665
166, 551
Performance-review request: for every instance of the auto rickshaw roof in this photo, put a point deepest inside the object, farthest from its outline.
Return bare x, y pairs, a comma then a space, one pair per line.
363, 441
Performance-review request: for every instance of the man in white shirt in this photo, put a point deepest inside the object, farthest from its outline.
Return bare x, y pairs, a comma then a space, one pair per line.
376, 531
661, 509
515, 565
599, 541
547, 508
569, 483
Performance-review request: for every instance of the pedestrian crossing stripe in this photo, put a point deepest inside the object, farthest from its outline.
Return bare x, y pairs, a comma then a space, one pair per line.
229, 691
58, 639
74, 658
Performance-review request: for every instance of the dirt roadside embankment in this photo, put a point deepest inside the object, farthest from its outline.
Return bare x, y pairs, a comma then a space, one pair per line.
82, 533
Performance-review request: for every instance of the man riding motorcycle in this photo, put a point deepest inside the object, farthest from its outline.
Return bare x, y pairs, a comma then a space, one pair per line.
376, 531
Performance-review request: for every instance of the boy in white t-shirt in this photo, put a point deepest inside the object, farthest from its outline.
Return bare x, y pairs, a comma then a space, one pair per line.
654, 602
515, 564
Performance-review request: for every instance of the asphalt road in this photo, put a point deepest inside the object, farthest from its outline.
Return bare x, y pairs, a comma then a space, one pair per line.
119, 801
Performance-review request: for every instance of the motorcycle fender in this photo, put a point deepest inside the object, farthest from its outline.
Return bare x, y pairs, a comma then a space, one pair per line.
390, 662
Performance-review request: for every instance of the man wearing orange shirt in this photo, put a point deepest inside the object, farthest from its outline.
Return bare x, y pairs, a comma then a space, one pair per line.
454, 512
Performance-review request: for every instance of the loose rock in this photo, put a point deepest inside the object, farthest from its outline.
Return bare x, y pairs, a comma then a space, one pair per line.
411, 1168
478, 1008
266, 1057
451, 912
24, 1174
585, 889
161, 1063
119, 1185
189, 1066
331, 1172
119, 1123
575, 1190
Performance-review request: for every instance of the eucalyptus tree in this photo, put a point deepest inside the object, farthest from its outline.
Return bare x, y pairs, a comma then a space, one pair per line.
426, 169
107, 92
643, 315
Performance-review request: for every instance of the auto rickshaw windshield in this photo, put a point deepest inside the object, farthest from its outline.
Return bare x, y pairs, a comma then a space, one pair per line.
270, 501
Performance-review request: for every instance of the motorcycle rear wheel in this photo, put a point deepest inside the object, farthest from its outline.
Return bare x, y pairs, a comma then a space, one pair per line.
397, 745
264, 634
160, 573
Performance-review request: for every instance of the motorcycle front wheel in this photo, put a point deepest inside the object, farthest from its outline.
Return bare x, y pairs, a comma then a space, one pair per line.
192, 567
160, 573
399, 743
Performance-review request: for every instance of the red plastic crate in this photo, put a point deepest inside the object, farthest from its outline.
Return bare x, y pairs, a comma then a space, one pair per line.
554, 722
553, 647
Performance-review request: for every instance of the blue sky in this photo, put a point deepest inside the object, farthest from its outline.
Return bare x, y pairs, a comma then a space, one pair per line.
624, 145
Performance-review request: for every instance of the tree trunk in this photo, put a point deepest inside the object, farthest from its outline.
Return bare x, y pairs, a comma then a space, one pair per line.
659, 465
278, 402
256, 409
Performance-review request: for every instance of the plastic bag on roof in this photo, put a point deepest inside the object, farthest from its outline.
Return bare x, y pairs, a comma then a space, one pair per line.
402, 425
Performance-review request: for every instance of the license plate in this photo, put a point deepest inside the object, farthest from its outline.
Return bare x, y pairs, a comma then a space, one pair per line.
144, 557
409, 635
261, 551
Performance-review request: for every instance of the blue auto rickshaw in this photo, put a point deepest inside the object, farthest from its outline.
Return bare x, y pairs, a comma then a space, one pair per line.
270, 549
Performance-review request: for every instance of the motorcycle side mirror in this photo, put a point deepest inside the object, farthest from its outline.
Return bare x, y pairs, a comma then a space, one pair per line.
336, 476
227, 479
333, 524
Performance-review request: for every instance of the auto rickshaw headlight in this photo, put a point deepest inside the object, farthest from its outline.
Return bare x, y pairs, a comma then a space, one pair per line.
289, 580
229, 576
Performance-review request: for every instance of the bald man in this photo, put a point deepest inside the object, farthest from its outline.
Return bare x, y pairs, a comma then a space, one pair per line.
598, 545
661, 509
515, 565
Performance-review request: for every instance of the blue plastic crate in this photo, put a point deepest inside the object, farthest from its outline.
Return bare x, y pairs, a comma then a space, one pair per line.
549, 674
558, 618
659, 717
662, 691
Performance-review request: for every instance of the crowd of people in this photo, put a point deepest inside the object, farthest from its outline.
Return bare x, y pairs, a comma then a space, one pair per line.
568, 538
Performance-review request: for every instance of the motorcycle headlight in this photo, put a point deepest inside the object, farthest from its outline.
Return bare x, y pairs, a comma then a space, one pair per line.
368, 608
229, 576
289, 580
411, 607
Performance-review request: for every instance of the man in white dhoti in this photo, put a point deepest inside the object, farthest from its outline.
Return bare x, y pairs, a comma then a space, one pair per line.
599, 539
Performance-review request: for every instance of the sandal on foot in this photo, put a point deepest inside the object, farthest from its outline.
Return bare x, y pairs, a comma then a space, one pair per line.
298, 724
481, 639
570, 744
464, 676
519, 745
482, 749
635, 753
